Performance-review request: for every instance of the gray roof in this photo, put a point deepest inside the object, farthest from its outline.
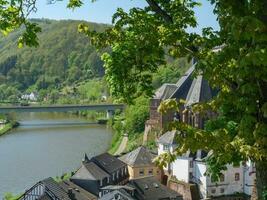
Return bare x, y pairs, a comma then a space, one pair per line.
149, 188
80, 193
90, 171
117, 194
53, 187
165, 91
183, 84
54, 190
138, 157
168, 138
117, 187
108, 162
199, 91
190, 88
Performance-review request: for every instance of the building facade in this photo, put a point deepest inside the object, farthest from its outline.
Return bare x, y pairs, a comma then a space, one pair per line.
140, 163
192, 167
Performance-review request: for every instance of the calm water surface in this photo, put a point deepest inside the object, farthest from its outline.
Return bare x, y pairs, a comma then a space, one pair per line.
47, 144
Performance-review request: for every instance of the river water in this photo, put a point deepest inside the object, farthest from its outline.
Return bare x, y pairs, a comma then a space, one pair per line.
47, 145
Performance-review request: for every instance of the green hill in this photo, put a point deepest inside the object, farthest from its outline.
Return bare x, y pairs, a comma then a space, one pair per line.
63, 58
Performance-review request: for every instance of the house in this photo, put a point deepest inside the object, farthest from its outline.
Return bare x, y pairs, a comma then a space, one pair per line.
140, 163
49, 189
149, 188
100, 171
30, 97
116, 168
191, 168
91, 177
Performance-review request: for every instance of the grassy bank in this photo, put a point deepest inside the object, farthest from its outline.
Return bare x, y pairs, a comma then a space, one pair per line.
7, 127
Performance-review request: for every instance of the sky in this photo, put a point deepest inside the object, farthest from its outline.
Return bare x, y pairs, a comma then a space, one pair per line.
101, 11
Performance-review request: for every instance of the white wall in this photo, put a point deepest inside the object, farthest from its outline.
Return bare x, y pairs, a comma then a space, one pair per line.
181, 169
229, 186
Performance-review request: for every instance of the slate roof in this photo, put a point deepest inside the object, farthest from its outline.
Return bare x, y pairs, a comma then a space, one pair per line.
138, 157
53, 190
199, 91
183, 84
190, 88
117, 194
118, 187
108, 162
165, 91
52, 186
80, 193
149, 188
168, 138
90, 171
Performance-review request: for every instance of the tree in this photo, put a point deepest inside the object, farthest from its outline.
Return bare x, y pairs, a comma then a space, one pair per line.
142, 37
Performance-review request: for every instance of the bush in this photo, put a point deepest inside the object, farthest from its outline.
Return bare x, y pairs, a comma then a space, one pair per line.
136, 116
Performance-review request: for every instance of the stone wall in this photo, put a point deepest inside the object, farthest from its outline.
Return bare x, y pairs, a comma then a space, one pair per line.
187, 190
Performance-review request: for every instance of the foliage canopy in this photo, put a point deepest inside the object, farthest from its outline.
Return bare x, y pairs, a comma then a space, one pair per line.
139, 39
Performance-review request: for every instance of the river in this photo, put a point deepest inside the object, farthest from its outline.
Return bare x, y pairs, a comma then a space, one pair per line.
47, 145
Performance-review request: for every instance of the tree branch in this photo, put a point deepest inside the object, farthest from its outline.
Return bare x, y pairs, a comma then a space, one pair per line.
158, 10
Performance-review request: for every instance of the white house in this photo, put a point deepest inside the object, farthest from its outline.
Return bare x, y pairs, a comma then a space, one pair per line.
29, 97
191, 168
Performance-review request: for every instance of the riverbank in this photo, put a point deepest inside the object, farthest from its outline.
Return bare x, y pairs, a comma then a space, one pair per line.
8, 126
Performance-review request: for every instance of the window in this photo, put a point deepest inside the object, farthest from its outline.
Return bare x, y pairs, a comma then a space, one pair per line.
222, 190
222, 178
166, 147
101, 183
213, 191
141, 172
237, 177
150, 172
158, 172
107, 179
113, 176
191, 164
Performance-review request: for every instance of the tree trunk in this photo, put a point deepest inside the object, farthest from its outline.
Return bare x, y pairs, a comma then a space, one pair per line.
261, 179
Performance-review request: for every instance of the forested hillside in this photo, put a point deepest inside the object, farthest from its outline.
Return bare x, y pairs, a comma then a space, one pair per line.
63, 58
